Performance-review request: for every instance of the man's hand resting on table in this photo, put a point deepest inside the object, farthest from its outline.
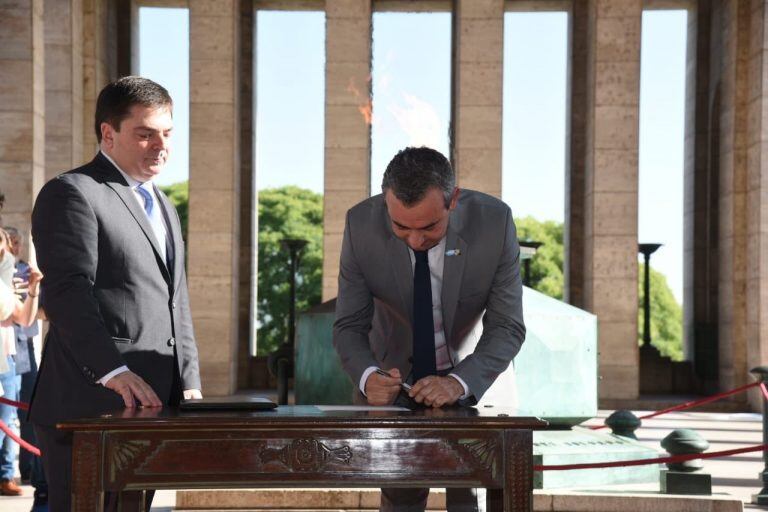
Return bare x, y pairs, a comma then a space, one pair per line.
382, 390
134, 390
434, 391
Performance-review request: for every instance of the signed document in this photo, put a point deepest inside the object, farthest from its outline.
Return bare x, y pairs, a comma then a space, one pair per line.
334, 408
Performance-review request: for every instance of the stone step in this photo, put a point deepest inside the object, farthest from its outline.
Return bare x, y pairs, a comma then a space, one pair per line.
326, 500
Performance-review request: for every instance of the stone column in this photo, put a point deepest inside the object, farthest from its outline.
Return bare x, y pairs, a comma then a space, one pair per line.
22, 109
347, 132
99, 63
700, 268
573, 266
610, 237
214, 189
734, 89
757, 196
63, 86
478, 61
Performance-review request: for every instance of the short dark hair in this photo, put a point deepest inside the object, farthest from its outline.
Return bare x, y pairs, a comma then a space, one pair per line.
413, 171
117, 98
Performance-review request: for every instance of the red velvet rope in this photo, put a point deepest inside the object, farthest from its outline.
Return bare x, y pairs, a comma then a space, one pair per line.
694, 403
764, 390
659, 460
10, 433
14, 403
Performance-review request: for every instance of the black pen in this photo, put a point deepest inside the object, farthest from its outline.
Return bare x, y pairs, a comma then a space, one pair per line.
405, 387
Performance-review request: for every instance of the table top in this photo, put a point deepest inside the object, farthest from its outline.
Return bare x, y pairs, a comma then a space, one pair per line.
304, 416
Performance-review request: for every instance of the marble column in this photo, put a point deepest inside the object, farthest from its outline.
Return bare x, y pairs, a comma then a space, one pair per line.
63, 86
214, 189
22, 109
732, 193
757, 195
477, 93
610, 234
347, 131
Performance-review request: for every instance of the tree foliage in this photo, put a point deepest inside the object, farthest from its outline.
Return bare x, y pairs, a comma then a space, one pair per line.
178, 194
547, 277
287, 212
666, 316
547, 264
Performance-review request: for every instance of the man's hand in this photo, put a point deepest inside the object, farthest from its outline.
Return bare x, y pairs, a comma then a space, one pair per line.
382, 390
133, 389
435, 391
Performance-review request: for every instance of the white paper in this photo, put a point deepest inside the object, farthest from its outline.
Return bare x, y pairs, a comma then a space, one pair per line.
335, 408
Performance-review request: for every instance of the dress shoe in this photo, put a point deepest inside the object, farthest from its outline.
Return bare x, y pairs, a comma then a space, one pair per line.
9, 488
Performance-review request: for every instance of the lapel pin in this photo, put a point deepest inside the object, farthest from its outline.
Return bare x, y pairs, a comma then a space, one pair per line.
453, 252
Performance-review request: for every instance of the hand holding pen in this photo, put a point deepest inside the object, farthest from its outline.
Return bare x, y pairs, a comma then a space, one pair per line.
382, 387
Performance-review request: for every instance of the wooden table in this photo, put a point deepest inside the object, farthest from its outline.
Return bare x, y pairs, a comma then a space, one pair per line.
303, 446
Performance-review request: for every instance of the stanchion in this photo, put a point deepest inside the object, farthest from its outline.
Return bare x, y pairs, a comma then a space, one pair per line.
761, 498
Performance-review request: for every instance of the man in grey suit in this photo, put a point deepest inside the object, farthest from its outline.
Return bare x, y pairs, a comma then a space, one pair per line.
110, 245
421, 265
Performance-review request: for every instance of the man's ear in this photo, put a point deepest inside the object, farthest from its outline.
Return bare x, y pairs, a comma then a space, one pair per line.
454, 198
107, 135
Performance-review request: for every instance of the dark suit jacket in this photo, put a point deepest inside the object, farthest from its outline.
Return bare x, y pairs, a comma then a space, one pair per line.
482, 281
109, 296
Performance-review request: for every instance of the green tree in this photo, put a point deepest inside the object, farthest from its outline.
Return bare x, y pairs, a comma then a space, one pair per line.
547, 264
547, 277
287, 212
666, 316
178, 194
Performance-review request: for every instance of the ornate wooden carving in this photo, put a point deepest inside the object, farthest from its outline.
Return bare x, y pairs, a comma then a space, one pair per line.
85, 464
306, 455
125, 453
484, 451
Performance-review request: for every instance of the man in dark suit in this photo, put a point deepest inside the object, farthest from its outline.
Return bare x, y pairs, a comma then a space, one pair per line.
421, 265
109, 243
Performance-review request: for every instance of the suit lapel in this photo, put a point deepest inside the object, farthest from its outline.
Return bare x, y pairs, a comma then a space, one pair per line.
174, 232
116, 182
400, 260
453, 271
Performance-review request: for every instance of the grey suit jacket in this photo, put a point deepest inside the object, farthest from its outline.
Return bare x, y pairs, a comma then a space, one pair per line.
110, 298
375, 301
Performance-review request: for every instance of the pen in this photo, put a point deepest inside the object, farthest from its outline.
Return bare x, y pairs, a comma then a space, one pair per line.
404, 386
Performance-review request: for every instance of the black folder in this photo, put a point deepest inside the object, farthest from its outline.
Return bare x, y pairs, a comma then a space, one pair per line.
228, 403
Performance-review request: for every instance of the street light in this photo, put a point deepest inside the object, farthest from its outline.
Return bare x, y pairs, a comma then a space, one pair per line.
528, 250
646, 250
280, 361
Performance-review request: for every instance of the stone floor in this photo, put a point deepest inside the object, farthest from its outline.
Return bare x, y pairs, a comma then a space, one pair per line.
736, 476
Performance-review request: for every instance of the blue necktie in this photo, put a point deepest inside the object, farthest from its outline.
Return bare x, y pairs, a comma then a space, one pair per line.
154, 217
423, 326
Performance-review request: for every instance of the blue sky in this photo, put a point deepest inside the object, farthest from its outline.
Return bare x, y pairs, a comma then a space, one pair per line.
411, 106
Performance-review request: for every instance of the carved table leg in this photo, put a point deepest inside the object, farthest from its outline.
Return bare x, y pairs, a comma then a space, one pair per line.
518, 472
87, 478
132, 501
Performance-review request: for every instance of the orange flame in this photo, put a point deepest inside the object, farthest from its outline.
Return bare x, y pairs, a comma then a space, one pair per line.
365, 104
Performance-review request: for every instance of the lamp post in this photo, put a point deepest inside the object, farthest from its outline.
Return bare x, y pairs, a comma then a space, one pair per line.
646, 250
528, 250
280, 361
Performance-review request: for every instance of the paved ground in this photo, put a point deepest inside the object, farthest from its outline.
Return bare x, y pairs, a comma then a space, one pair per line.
737, 475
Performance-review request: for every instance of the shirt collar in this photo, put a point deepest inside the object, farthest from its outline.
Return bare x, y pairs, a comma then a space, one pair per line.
131, 182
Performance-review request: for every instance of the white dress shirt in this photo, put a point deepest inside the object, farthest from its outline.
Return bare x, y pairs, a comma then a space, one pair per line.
436, 260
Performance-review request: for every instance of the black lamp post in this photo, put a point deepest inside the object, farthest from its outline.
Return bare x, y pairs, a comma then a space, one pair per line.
280, 361
528, 250
646, 250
